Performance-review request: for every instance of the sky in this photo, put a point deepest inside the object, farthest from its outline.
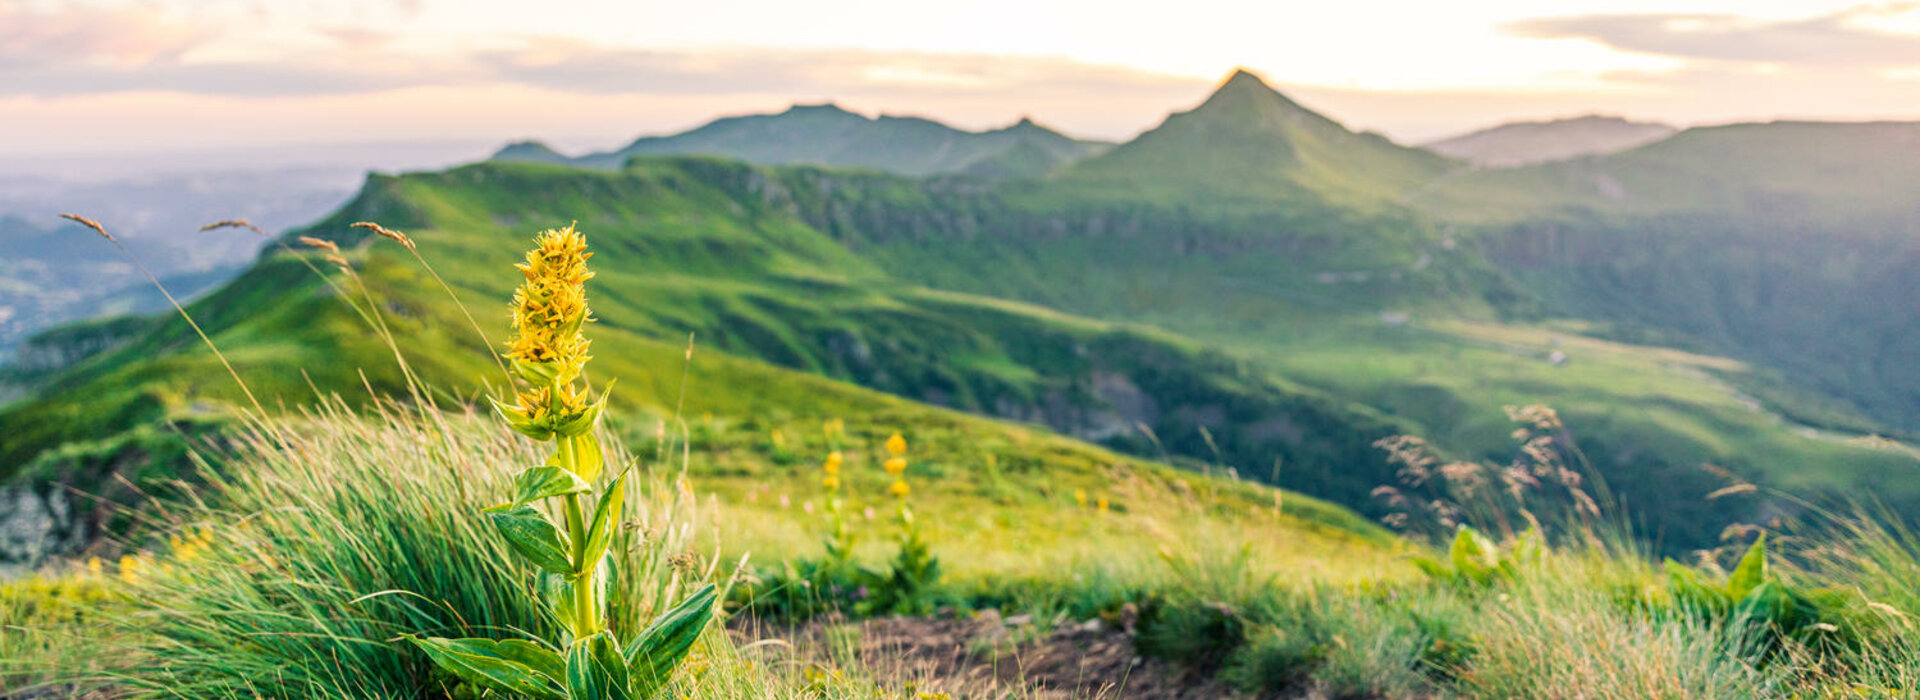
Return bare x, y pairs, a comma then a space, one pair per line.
114, 76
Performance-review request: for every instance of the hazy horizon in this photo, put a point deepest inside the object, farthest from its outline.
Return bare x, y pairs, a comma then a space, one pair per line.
108, 77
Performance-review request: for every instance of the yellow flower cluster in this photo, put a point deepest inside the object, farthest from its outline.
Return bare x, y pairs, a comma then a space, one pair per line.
897, 465
832, 469
130, 568
548, 349
550, 307
189, 547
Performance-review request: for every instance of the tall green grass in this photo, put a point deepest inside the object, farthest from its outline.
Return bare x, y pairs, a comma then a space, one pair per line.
294, 574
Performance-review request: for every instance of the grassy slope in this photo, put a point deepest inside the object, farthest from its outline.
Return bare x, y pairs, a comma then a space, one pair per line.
1784, 244
803, 268
670, 259
1308, 305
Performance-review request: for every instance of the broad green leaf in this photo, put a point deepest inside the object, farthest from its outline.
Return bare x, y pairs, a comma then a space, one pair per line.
558, 591
1751, 572
1433, 568
542, 482
587, 458
659, 649
606, 519
519, 422
596, 671
534, 538
542, 660
584, 421
486, 663
536, 373
1691, 592
1469, 556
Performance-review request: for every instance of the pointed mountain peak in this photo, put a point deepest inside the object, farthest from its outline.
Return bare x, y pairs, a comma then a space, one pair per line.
1245, 79
1246, 99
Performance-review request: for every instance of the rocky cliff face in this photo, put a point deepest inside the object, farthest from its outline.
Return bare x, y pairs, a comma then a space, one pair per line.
37, 522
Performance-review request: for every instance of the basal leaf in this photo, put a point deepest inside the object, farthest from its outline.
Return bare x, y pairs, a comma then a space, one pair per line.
518, 667
1751, 572
595, 670
1469, 554
658, 650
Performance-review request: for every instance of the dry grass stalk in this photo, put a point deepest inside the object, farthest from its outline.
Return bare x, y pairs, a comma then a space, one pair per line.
385, 232
261, 412
233, 223
320, 243
90, 223
404, 240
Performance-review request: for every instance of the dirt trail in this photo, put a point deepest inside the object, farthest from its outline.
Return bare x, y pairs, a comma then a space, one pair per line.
985, 656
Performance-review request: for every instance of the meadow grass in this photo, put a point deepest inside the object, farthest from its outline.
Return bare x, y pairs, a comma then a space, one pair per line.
342, 531
296, 567
295, 575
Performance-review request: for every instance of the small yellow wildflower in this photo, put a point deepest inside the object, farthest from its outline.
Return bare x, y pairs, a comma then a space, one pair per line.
94, 566
897, 445
831, 482
899, 489
130, 569
1102, 504
779, 438
833, 462
896, 466
1080, 497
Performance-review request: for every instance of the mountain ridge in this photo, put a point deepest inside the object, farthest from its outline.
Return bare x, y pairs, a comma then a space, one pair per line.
828, 135
1529, 142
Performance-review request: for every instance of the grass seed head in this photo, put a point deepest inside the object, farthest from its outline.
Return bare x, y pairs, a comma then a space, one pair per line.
233, 223
385, 232
90, 223
320, 243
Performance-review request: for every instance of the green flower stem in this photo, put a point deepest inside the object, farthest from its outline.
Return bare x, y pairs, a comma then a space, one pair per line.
586, 610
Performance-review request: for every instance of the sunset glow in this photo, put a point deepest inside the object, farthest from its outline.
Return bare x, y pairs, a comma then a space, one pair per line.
100, 76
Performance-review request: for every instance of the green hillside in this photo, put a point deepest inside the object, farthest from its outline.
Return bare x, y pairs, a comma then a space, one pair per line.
715, 249
675, 257
1787, 245
1153, 300
1805, 171
825, 134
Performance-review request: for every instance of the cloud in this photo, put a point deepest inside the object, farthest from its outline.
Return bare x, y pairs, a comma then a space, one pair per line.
566, 65
41, 59
1832, 41
123, 38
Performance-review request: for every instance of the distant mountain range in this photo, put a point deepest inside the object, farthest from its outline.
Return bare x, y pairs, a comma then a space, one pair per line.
1526, 143
825, 134
1249, 284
